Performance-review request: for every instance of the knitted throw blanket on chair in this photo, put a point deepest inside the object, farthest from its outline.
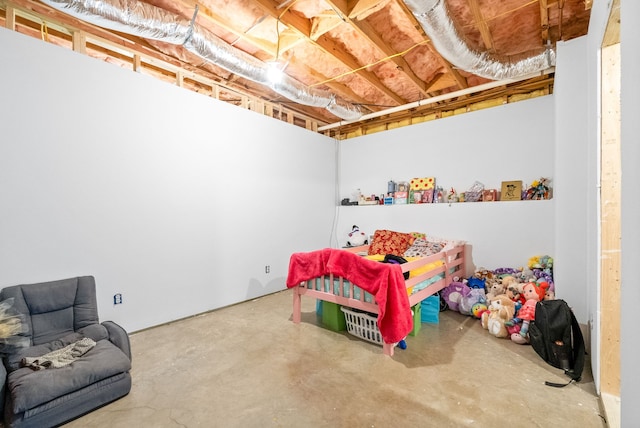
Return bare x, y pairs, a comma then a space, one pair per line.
60, 357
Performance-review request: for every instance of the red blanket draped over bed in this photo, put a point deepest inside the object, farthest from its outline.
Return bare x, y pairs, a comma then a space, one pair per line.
384, 281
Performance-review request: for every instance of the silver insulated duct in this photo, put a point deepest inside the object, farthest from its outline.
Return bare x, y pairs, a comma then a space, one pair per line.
435, 21
144, 20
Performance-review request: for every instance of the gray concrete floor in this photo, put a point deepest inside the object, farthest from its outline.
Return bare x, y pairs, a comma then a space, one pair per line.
249, 366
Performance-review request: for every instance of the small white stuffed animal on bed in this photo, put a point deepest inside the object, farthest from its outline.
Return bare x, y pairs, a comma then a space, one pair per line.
356, 237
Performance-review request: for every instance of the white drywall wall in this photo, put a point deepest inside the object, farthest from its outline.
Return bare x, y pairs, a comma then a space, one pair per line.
630, 292
576, 180
510, 142
171, 198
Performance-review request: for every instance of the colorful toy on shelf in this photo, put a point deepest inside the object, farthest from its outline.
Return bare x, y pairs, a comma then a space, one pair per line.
421, 190
452, 196
539, 189
401, 195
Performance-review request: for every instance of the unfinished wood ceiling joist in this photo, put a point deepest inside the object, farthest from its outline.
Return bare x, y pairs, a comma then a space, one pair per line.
369, 54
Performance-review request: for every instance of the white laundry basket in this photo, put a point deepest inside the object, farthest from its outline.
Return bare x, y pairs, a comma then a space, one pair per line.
362, 325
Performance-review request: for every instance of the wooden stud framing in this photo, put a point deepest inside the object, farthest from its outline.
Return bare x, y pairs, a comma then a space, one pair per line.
10, 21
544, 20
137, 63
79, 42
610, 219
610, 212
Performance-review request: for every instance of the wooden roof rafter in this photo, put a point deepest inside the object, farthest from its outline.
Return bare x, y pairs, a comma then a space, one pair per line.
326, 44
482, 25
373, 37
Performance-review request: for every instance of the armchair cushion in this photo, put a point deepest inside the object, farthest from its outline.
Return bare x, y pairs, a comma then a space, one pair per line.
30, 388
55, 308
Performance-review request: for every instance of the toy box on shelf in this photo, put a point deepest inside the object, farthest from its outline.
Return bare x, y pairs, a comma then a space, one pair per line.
368, 200
421, 190
490, 195
401, 196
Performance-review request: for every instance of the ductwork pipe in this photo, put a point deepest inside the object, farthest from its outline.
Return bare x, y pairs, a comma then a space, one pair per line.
435, 21
147, 21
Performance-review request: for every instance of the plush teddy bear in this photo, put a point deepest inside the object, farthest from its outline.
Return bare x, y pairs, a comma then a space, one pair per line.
494, 288
356, 238
508, 280
483, 273
501, 309
514, 291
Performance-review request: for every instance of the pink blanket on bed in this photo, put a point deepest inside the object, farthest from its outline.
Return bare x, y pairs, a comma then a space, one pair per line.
384, 281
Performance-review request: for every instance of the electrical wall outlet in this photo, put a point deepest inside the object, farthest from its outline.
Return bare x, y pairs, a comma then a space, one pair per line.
267, 269
117, 299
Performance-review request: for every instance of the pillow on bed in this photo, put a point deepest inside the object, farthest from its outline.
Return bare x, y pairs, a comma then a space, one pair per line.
390, 242
422, 248
419, 235
447, 244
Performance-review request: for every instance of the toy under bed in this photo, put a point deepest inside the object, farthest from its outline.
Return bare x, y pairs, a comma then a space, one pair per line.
345, 277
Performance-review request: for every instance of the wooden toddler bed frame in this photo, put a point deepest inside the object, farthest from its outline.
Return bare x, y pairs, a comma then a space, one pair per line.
446, 265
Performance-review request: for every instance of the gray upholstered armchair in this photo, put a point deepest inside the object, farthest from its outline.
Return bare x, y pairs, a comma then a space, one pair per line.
73, 363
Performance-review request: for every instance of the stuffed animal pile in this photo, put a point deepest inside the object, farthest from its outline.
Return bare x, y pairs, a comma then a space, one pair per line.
497, 297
